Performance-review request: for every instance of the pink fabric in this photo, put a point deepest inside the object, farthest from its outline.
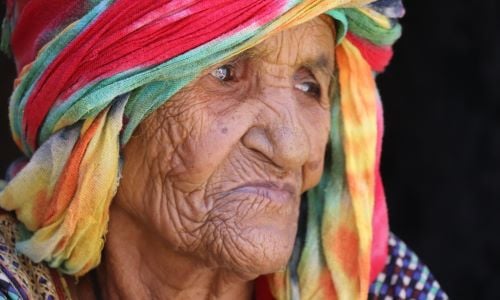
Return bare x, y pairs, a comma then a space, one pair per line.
377, 56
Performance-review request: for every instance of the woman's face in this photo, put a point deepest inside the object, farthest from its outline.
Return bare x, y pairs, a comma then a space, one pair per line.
218, 171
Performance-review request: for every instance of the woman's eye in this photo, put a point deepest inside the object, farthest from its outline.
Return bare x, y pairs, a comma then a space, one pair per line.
224, 73
311, 88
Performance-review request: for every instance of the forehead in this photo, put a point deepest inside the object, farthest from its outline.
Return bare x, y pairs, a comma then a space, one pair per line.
308, 43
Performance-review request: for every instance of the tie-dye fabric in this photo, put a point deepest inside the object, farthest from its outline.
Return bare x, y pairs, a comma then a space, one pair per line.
90, 71
404, 275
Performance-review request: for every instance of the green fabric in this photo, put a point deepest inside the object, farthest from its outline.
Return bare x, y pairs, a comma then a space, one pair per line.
342, 23
368, 29
5, 38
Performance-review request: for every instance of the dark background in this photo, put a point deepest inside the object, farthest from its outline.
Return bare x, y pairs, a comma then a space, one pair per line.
441, 158
441, 155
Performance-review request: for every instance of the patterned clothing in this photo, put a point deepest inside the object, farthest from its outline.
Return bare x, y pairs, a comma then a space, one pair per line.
21, 278
404, 276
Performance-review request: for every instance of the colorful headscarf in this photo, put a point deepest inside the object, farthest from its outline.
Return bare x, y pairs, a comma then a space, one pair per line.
90, 71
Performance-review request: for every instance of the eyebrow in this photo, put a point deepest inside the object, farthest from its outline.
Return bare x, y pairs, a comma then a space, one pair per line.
249, 53
319, 63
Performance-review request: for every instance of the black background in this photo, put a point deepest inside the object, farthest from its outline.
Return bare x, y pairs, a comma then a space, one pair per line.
441, 154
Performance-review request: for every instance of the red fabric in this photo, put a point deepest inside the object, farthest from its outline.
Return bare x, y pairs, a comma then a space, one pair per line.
32, 32
127, 35
10, 9
57, 279
378, 57
262, 290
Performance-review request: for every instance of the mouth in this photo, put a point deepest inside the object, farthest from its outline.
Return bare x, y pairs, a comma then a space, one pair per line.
275, 192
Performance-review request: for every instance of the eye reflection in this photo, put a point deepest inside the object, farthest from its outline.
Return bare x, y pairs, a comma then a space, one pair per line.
310, 88
224, 73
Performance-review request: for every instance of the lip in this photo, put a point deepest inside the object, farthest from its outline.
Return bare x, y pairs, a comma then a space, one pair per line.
273, 191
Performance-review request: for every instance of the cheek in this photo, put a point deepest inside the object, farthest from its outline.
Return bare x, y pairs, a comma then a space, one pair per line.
211, 140
318, 133
215, 128
145, 189
172, 157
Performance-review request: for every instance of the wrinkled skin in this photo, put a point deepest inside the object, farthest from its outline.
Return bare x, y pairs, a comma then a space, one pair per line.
209, 197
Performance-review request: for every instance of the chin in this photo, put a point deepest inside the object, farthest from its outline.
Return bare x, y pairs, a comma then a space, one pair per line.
262, 249
250, 235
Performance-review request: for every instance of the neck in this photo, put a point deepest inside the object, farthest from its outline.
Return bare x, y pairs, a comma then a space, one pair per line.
136, 264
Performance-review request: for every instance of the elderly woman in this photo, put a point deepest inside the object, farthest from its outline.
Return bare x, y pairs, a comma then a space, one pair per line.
171, 145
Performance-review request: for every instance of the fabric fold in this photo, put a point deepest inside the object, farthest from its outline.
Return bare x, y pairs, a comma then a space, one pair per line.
62, 195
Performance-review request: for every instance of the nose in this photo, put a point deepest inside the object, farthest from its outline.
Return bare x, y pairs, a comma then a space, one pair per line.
279, 136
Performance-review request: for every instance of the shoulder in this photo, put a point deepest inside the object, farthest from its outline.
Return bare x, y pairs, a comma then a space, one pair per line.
21, 278
405, 276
